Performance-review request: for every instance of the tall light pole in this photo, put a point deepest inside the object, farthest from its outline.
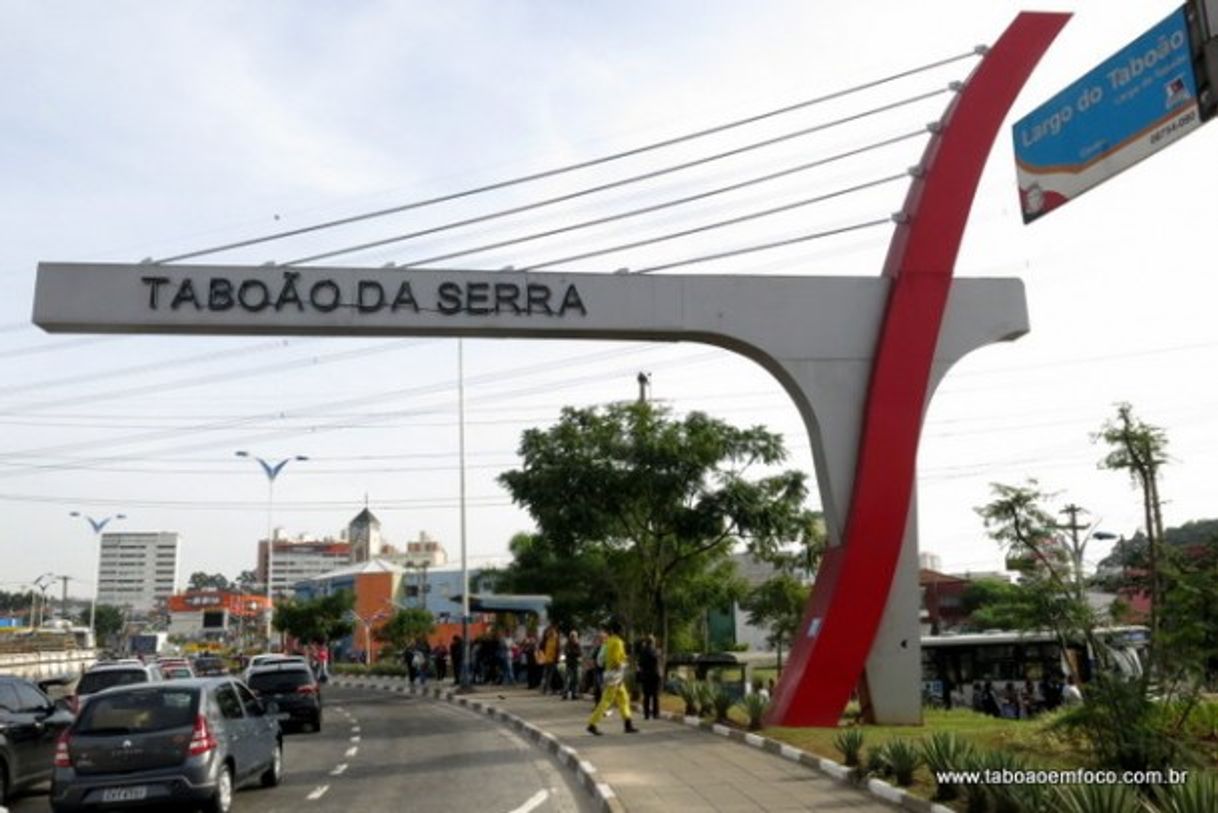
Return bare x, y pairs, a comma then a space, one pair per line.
42, 583
98, 525
271, 470
464, 558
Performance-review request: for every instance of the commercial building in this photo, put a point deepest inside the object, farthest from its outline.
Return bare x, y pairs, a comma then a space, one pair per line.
215, 615
300, 559
137, 570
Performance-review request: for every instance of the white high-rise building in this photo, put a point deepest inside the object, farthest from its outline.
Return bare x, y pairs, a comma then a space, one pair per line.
136, 569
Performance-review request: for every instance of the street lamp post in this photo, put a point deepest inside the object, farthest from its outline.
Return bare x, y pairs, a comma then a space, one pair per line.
271, 470
465, 648
98, 525
42, 583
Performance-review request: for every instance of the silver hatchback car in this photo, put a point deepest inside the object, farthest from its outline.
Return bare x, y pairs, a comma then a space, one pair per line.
182, 742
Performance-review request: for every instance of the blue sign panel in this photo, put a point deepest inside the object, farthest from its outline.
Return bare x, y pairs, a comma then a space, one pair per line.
1130, 106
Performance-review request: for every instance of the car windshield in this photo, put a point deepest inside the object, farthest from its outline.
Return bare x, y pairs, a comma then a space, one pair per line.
175, 672
133, 712
96, 681
285, 681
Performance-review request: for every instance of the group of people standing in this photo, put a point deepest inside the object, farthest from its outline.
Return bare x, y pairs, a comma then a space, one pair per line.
560, 663
1022, 701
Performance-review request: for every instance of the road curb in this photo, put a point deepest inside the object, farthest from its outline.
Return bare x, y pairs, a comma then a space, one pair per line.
877, 788
568, 757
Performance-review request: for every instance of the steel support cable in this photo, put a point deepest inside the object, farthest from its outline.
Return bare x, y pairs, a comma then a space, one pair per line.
256, 505
668, 204
719, 224
790, 241
53, 347
605, 159
632, 179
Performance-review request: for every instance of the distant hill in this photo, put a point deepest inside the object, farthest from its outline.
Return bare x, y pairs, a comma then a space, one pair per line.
1190, 533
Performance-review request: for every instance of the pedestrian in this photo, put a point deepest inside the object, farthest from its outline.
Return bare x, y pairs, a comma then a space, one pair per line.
440, 656
505, 660
456, 654
572, 654
531, 669
1071, 696
615, 681
412, 668
547, 657
648, 677
598, 668
990, 700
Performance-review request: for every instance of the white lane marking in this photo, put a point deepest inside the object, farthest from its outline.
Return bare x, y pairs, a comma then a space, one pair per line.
533, 802
339, 769
318, 792
352, 751
354, 729
355, 738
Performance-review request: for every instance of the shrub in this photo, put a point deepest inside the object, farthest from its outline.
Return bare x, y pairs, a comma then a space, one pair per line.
754, 707
1005, 798
688, 690
903, 758
385, 669
722, 701
706, 699
944, 751
1096, 799
850, 743
1198, 795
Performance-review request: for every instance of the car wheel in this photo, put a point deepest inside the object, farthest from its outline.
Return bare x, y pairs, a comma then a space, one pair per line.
274, 774
3, 782
317, 722
222, 800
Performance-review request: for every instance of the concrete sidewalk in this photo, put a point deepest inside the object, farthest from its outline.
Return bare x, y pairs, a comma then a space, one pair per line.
669, 766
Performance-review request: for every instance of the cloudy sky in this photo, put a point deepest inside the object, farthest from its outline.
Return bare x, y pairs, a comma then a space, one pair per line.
140, 129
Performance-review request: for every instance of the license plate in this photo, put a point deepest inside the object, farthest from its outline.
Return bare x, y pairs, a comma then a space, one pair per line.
132, 794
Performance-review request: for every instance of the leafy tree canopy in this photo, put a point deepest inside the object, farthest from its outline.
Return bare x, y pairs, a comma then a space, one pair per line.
318, 620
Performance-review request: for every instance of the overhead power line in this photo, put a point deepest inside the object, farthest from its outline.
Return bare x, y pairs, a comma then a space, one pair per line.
549, 173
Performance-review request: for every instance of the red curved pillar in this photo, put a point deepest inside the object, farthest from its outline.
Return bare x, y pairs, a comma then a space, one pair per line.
847, 603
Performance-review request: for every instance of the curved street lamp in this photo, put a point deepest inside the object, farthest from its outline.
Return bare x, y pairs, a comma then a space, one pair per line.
272, 471
98, 525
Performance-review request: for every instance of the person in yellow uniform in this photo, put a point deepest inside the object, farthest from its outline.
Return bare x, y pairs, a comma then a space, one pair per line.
615, 681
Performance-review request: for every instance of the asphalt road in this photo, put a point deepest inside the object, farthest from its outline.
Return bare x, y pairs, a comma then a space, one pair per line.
385, 752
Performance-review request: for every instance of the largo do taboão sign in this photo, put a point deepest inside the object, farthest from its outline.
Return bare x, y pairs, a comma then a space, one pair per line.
1133, 104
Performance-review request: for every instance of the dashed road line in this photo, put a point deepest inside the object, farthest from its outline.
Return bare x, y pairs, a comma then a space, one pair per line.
354, 729
339, 769
352, 751
533, 802
318, 792
355, 738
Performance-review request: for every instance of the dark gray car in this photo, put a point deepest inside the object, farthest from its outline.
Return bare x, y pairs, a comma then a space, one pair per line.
186, 741
29, 726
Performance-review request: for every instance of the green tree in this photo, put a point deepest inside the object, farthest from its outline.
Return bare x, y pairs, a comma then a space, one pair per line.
406, 627
317, 620
246, 581
674, 495
199, 580
577, 577
779, 603
1140, 449
108, 621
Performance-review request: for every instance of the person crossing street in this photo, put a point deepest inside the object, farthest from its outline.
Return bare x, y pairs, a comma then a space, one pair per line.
615, 681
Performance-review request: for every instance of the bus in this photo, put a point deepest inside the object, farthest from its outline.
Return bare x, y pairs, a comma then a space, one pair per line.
953, 664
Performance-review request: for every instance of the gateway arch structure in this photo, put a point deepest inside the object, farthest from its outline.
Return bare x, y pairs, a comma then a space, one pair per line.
859, 356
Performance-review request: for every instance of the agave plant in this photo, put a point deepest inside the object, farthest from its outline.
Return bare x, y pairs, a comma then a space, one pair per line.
1198, 795
722, 702
945, 752
688, 690
904, 758
1097, 799
850, 743
706, 698
754, 706
1005, 798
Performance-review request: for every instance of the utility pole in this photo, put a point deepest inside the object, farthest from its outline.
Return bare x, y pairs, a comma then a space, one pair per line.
1077, 544
65, 595
644, 380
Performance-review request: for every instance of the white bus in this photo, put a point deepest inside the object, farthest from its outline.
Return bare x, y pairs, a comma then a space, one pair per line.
952, 665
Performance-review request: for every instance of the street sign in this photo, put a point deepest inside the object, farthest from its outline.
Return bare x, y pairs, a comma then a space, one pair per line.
1128, 107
